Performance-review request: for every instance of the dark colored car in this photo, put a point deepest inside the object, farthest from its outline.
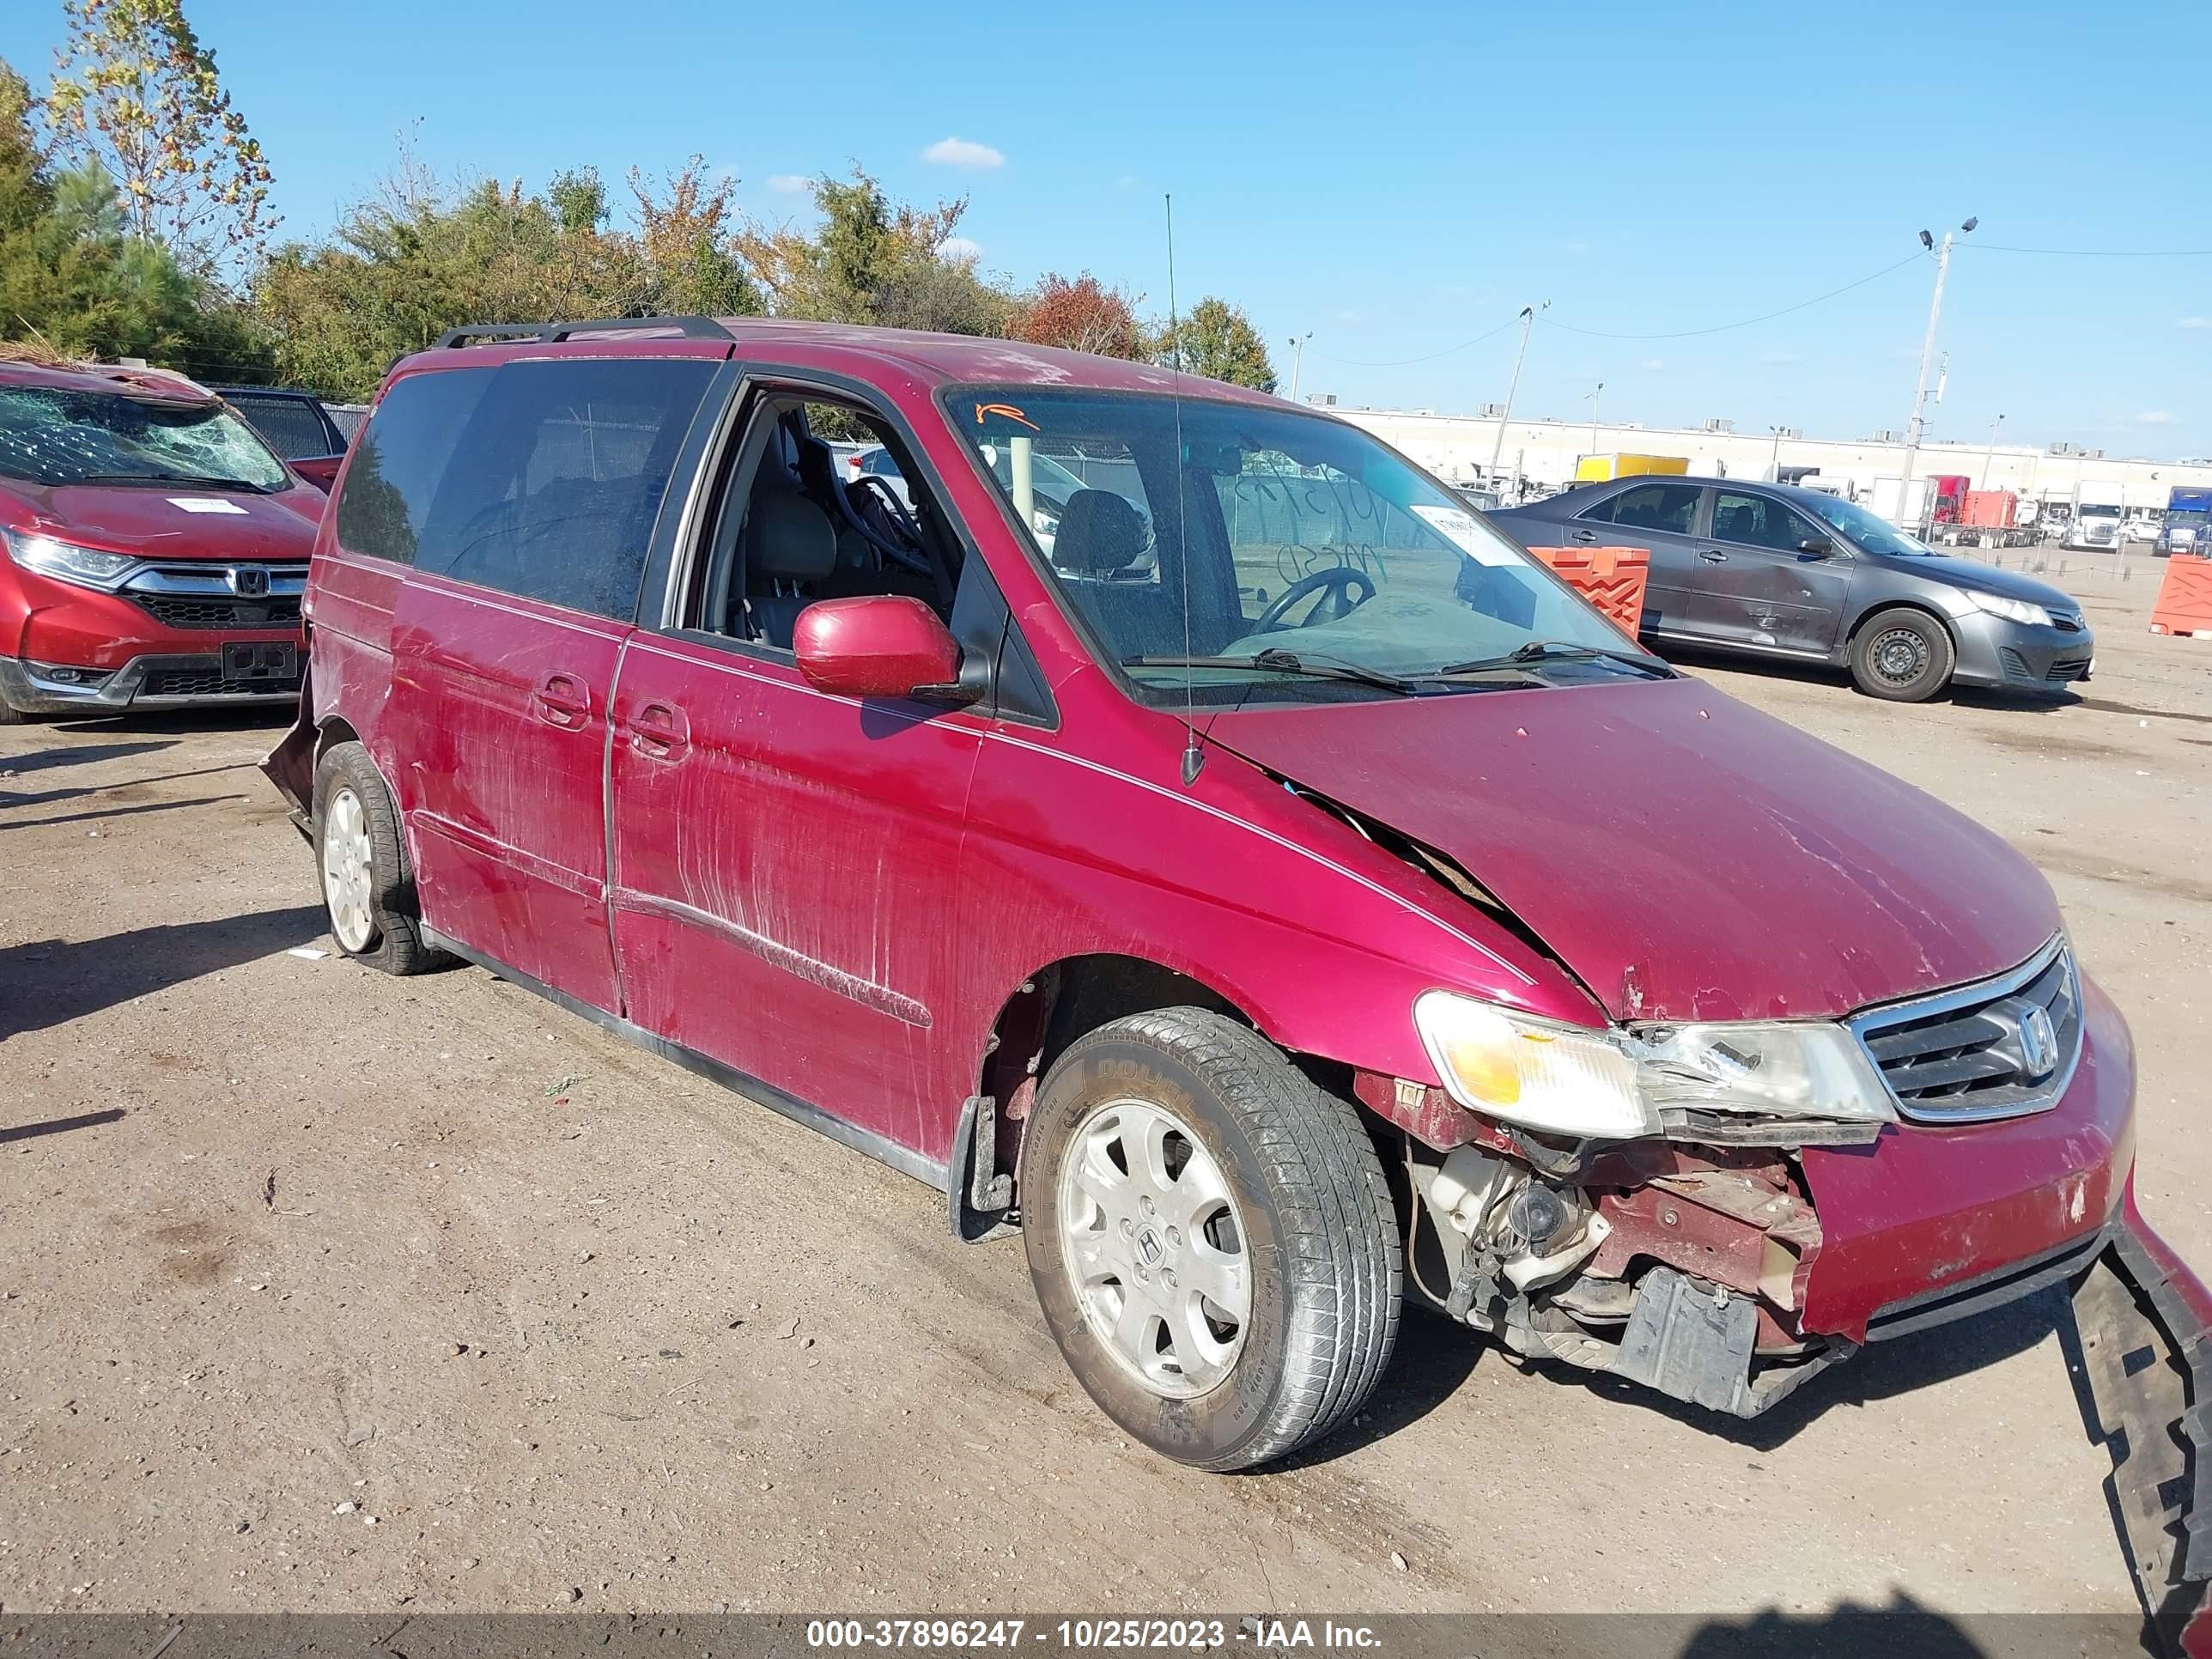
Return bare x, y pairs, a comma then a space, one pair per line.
295, 424
1776, 571
155, 550
1267, 930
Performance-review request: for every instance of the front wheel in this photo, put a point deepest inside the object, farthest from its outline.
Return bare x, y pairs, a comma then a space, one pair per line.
1210, 1237
1902, 655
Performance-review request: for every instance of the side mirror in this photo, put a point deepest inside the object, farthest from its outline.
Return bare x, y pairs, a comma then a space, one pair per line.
879, 645
1817, 547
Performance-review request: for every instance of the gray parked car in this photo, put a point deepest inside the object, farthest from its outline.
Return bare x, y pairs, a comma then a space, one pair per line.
1783, 571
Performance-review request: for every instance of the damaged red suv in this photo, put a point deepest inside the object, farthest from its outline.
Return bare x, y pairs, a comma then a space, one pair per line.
153, 550
1167, 822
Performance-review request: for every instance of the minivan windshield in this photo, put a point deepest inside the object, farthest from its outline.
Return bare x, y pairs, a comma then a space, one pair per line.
51, 436
1259, 554
1873, 534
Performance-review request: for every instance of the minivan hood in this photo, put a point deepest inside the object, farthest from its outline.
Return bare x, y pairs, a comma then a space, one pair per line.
1988, 578
145, 521
1687, 856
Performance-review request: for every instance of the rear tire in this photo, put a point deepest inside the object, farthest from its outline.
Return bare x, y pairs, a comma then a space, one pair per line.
1182, 1150
368, 881
1902, 655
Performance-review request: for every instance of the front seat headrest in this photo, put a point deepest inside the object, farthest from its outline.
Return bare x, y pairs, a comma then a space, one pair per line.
1100, 532
788, 536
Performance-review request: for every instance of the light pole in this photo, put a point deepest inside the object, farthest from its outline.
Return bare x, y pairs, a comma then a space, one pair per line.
1297, 360
1774, 466
1927, 354
1498, 449
1595, 392
1989, 460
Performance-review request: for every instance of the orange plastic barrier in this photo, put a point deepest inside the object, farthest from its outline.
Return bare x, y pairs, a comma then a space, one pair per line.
2184, 599
1611, 577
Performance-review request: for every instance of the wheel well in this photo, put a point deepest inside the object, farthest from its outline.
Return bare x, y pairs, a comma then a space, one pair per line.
1059, 1003
334, 731
1873, 610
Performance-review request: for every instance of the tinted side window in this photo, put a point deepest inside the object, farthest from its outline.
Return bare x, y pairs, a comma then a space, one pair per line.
401, 460
557, 477
1669, 508
1755, 521
290, 424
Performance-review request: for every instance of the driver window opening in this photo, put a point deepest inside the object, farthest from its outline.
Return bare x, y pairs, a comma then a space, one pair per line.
823, 502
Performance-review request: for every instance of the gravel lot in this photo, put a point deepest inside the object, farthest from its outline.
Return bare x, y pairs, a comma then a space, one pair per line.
326, 1291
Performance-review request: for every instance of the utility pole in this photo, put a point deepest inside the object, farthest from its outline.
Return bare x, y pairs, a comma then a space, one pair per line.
1989, 460
1297, 360
1498, 449
1774, 467
1927, 356
1596, 391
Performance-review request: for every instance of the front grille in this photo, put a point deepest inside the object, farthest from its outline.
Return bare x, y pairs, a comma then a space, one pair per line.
173, 611
211, 683
2001, 1048
2061, 620
2062, 671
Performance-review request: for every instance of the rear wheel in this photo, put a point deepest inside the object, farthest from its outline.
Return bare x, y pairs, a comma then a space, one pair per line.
1902, 655
1210, 1237
369, 884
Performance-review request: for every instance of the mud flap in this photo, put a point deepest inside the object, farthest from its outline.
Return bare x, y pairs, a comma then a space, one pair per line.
979, 1194
291, 765
2141, 1360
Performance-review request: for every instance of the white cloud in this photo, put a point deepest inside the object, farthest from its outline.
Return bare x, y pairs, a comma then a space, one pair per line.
2197, 322
790, 184
1127, 181
1350, 317
2154, 418
963, 153
1651, 365
1778, 358
958, 250
1575, 249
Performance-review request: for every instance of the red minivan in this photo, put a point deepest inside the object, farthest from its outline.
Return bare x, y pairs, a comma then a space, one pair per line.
1167, 822
153, 550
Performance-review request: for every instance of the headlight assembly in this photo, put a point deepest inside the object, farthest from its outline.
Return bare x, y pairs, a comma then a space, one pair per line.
1996, 604
1651, 1079
67, 563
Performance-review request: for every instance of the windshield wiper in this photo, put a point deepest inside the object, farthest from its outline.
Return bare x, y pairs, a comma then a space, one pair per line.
1278, 661
167, 480
1537, 651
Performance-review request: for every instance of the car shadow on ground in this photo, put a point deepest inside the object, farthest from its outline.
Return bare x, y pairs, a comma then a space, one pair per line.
83, 753
45, 982
17, 798
272, 718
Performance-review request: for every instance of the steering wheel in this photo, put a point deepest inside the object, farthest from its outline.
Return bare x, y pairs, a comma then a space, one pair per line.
1338, 578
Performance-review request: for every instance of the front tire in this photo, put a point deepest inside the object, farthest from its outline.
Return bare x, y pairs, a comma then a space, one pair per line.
368, 883
1210, 1237
1902, 655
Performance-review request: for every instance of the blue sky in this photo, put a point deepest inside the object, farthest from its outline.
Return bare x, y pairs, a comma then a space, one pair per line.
1396, 180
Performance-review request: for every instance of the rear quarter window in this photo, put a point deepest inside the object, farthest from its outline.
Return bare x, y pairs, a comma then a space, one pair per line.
541, 479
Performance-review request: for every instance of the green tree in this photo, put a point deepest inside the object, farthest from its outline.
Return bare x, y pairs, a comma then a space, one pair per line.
134, 92
1217, 341
76, 283
687, 262
872, 260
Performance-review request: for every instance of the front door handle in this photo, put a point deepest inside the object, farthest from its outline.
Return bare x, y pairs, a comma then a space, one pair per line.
1713, 555
564, 701
659, 731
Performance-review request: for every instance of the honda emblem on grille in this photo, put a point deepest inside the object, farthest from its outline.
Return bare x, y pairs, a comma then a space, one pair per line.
2039, 1044
249, 581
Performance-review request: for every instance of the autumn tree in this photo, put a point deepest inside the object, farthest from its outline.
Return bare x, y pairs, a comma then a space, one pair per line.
872, 260
75, 283
1082, 315
134, 92
1217, 341
687, 262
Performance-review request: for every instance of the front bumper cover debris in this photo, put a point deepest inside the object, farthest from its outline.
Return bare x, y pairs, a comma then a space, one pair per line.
2141, 1359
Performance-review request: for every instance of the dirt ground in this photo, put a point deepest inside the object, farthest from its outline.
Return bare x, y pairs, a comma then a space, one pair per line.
326, 1291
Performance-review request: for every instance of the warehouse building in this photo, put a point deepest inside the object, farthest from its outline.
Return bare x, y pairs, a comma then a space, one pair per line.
1458, 449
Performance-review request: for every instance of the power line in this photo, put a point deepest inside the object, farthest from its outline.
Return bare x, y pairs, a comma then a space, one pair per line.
1430, 357
1722, 328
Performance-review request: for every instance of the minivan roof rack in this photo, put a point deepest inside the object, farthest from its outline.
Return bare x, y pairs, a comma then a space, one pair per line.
691, 328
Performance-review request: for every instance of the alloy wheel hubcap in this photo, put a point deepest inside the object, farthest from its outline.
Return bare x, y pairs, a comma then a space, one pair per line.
348, 862
1899, 656
1155, 1248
